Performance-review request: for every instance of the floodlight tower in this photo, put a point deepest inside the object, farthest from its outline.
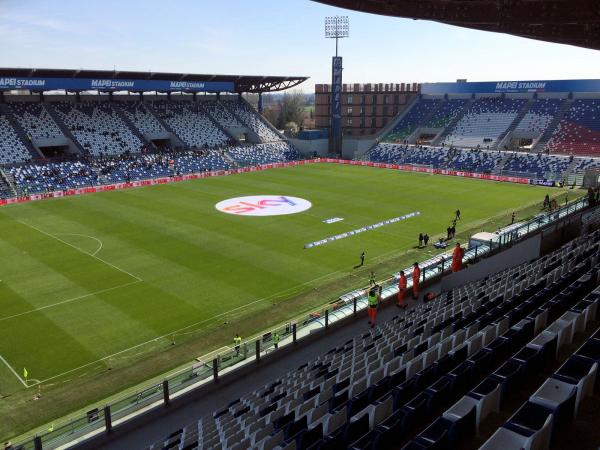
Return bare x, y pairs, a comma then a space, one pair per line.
336, 27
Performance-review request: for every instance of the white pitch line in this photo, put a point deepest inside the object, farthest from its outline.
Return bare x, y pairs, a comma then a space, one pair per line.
182, 329
14, 372
70, 300
79, 250
87, 236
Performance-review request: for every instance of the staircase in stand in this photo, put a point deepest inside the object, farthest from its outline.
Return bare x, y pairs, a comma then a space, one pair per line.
119, 112
7, 185
20, 132
64, 128
524, 110
545, 138
440, 139
165, 125
216, 123
232, 162
500, 166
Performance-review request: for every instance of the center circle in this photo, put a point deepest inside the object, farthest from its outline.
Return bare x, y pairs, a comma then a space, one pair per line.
263, 205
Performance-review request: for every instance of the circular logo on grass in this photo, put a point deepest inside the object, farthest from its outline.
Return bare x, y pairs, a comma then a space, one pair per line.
263, 205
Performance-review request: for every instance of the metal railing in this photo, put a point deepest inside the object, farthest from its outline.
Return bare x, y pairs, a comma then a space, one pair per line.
105, 418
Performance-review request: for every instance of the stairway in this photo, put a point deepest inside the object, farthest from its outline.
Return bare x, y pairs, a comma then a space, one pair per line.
526, 107
20, 132
217, 124
265, 121
547, 134
232, 162
392, 124
165, 125
500, 166
7, 185
412, 137
63, 127
442, 137
117, 109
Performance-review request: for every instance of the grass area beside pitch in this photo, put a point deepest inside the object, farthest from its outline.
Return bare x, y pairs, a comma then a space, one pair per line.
93, 288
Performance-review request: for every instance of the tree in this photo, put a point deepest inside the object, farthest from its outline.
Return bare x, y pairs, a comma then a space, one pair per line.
292, 108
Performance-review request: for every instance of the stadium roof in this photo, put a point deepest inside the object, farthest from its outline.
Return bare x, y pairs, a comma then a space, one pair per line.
573, 22
242, 83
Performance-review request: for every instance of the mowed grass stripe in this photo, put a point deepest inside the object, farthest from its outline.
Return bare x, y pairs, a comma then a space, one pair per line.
198, 263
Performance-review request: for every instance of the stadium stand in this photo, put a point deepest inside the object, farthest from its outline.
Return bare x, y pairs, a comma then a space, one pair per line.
12, 149
405, 154
142, 118
35, 120
538, 164
221, 114
249, 117
447, 112
429, 378
97, 127
420, 112
263, 153
191, 123
485, 121
540, 116
474, 160
578, 133
56, 176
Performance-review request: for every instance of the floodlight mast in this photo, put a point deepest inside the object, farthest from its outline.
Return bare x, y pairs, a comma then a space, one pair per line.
336, 27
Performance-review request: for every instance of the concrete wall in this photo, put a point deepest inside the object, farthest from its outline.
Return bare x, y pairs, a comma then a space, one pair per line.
353, 148
321, 146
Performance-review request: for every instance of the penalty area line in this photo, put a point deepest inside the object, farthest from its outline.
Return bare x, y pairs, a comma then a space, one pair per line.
176, 332
70, 300
79, 250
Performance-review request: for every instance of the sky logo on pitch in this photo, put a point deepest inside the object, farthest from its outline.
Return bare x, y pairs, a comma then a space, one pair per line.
263, 205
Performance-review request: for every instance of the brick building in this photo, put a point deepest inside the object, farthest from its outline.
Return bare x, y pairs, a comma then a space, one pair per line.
366, 108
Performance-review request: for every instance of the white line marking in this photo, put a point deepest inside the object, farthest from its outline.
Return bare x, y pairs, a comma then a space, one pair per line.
14, 372
79, 250
87, 236
170, 334
69, 300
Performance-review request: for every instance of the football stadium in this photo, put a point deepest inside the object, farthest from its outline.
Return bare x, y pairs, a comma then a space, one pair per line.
422, 271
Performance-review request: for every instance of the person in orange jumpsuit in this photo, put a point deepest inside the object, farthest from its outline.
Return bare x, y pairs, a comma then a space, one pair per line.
415, 279
402, 290
457, 257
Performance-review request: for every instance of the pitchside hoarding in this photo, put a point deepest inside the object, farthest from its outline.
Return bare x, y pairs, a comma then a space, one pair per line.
512, 87
110, 84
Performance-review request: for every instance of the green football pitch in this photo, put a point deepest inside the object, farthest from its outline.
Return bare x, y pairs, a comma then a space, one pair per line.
95, 288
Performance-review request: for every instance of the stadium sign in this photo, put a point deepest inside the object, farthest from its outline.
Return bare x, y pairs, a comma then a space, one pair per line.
112, 84
263, 205
511, 87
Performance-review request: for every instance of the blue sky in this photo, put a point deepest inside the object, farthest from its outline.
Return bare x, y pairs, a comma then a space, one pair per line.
272, 37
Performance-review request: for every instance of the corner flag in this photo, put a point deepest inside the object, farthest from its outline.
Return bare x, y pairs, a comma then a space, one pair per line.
25, 374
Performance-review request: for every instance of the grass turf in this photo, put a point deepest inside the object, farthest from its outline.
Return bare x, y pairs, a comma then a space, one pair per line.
89, 283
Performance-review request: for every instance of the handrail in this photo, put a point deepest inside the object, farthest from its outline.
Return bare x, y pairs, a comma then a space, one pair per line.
106, 418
